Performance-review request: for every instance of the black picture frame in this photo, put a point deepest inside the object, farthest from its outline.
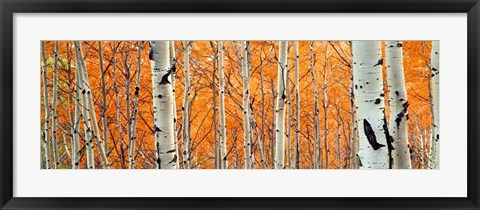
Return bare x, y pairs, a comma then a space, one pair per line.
9, 7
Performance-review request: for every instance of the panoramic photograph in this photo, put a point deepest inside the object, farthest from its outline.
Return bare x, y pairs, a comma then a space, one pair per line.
246, 104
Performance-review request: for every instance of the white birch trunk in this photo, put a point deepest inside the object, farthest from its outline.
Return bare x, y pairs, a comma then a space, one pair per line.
173, 61
104, 98
435, 103
280, 108
373, 129
246, 106
317, 162
221, 93
186, 107
54, 109
398, 104
118, 106
46, 126
89, 103
133, 137
166, 156
76, 127
297, 110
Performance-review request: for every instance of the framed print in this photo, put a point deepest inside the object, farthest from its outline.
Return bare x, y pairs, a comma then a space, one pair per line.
239, 105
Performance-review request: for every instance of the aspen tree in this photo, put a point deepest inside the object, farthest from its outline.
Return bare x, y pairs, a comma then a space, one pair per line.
297, 110
118, 106
76, 126
221, 93
262, 132
325, 108
104, 97
136, 94
288, 128
435, 102
86, 92
86, 117
316, 124
246, 105
46, 126
280, 108
398, 104
166, 157
374, 137
54, 108
173, 61
186, 107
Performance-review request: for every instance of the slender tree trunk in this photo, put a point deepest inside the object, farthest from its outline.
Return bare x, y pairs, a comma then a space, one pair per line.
86, 117
261, 147
316, 125
273, 133
288, 128
89, 102
325, 109
353, 131
280, 109
173, 61
221, 93
133, 136
297, 110
374, 150
46, 126
166, 157
246, 106
398, 104
186, 108
128, 104
76, 118
435, 102
104, 99
119, 108
54, 108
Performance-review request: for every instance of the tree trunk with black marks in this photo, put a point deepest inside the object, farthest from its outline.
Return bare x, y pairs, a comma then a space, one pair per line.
46, 126
186, 108
317, 163
296, 151
54, 109
221, 93
435, 104
398, 104
246, 106
288, 131
89, 103
325, 109
369, 99
136, 94
165, 153
280, 108
104, 98
173, 61
118, 106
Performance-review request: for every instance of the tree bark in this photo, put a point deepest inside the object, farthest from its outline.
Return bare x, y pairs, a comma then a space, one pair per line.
398, 104
118, 106
89, 102
374, 149
166, 157
316, 125
186, 107
246, 106
280, 108
104, 98
133, 136
297, 110
54, 108
221, 93
173, 61
435, 103
46, 126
